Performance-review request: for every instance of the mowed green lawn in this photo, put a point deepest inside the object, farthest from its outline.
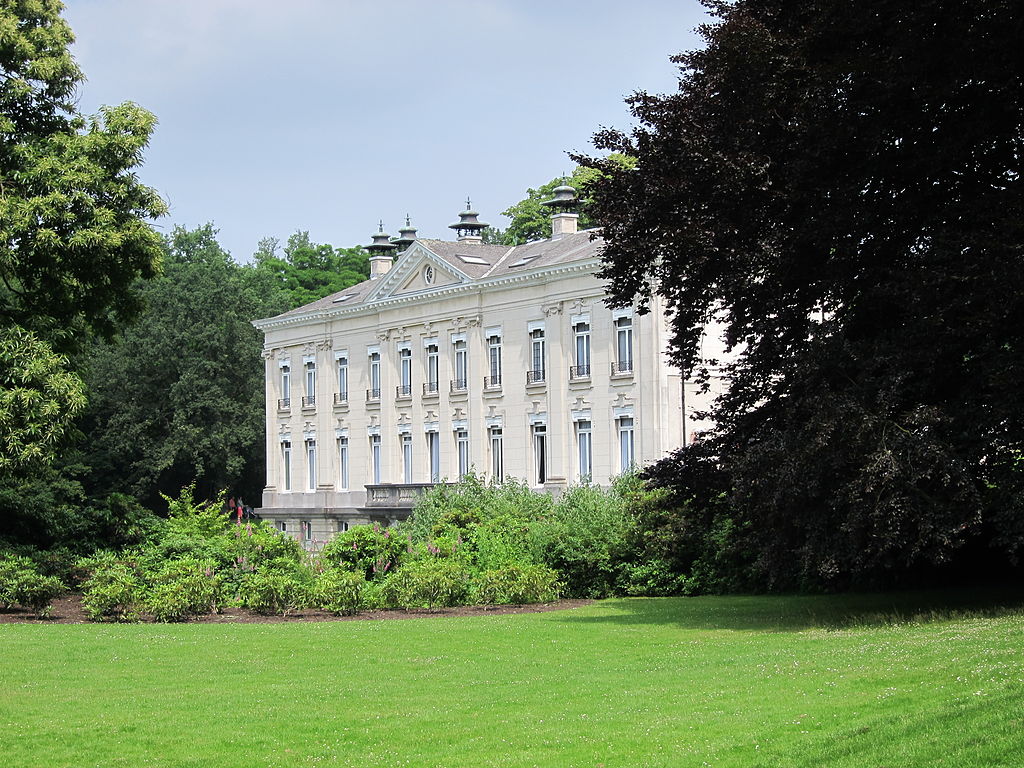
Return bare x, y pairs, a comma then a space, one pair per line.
724, 681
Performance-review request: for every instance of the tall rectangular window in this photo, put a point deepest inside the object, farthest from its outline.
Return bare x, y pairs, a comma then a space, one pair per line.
374, 392
286, 465
493, 361
375, 458
434, 452
306, 528
342, 379
404, 372
537, 357
497, 455
462, 448
286, 387
623, 345
461, 366
627, 458
584, 448
406, 458
342, 463
540, 452
310, 397
311, 464
430, 387
581, 332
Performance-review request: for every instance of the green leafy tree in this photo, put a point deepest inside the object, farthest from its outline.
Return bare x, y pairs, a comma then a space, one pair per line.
180, 395
307, 271
532, 221
839, 186
73, 225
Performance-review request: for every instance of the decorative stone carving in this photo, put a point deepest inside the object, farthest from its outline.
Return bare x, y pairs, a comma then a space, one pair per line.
268, 354
309, 348
324, 345
552, 309
383, 335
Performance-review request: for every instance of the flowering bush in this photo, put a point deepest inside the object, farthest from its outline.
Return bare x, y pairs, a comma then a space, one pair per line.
373, 550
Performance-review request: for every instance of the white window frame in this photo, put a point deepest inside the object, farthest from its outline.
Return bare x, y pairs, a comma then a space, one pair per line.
286, 465
306, 530
627, 445
343, 463
494, 359
461, 364
581, 346
342, 364
405, 368
434, 456
375, 373
375, 458
310, 368
585, 450
624, 343
286, 383
462, 451
311, 463
497, 454
433, 367
538, 350
406, 458
539, 434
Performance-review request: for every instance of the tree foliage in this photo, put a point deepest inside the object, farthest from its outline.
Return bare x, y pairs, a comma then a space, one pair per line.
839, 186
73, 225
180, 395
307, 271
532, 221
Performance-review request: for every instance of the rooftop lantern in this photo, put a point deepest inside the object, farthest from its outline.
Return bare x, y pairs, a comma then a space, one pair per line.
406, 236
468, 228
564, 220
381, 250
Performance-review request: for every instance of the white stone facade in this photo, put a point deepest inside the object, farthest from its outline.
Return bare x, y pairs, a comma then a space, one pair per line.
462, 357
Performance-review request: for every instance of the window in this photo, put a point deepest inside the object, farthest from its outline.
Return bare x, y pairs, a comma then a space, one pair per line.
581, 370
375, 458
462, 446
286, 465
404, 372
493, 361
407, 458
430, 387
623, 345
307, 530
286, 388
584, 449
342, 463
310, 398
434, 452
342, 526
311, 464
627, 458
373, 393
540, 459
282, 526
536, 373
461, 367
497, 455
342, 394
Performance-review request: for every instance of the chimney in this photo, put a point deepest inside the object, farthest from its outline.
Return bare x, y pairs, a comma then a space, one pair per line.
468, 227
381, 250
564, 221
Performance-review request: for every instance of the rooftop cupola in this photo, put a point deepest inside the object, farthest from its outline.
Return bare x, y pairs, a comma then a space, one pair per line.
564, 219
381, 250
468, 227
406, 236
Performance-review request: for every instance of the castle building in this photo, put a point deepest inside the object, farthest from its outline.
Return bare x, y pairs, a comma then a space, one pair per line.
457, 357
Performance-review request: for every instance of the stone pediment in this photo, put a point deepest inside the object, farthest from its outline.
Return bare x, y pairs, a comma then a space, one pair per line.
415, 271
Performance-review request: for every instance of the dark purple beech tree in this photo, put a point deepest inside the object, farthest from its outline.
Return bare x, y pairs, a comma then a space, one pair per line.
839, 185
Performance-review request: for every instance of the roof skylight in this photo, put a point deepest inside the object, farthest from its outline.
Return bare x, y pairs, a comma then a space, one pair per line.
473, 260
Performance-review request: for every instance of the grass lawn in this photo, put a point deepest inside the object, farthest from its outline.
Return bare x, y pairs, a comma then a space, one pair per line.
724, 681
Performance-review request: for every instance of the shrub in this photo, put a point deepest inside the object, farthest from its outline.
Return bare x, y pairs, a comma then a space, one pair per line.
21, 585
276, 590
339, 591
501, 542
430, 584
372, 550
114, 591
517, 584
184, 588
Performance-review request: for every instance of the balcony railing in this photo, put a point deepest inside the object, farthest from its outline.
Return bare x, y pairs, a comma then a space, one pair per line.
430, 388
309, 401
340, 398
459, 385
403, 390
284, 404
535, 377
372, 394
626, 366
579, 372
404, 495
492, 382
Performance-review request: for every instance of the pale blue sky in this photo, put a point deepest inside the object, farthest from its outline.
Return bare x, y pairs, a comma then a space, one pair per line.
327, 115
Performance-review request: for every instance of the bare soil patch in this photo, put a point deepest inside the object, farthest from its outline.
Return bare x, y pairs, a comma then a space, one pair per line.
68, 610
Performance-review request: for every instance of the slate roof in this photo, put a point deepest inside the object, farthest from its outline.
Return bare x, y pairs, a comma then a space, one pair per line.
500, 260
